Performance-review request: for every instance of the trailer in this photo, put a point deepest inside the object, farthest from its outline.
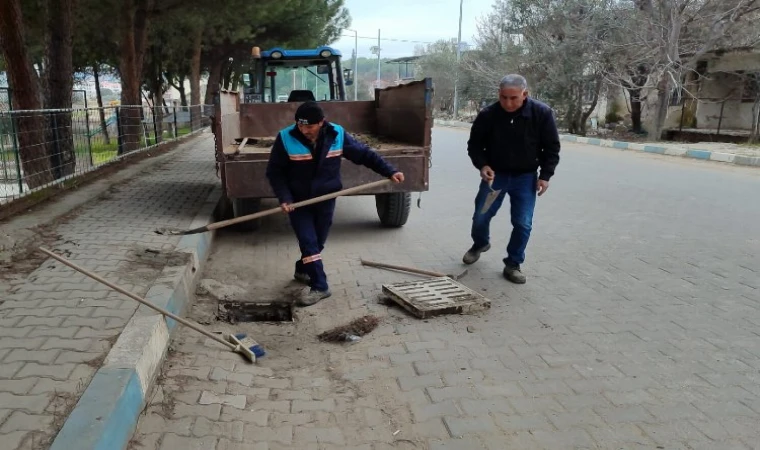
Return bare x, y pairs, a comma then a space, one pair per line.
397, 124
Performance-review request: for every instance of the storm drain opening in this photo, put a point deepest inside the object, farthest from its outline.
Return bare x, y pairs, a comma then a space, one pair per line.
237, 311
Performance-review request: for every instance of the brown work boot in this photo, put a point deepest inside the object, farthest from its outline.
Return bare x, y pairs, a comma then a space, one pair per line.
513, 274
473, 254
312, 297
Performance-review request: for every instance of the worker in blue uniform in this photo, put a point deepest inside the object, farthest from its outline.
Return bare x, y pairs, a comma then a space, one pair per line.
305, 163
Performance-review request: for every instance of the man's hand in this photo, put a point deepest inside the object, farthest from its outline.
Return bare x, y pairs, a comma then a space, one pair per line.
397, 177
286, 208
542, 186
486, 173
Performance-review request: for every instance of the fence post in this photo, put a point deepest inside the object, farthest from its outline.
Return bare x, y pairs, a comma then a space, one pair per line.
176, 134
16, 154
118, 131
155, 127
720, 120
57, 170
87, 128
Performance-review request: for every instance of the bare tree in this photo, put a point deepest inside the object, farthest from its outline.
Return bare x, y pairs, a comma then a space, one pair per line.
562, 57
659, 42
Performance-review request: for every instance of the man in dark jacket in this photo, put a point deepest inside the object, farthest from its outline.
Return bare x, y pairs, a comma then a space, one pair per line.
305, 163
509, 142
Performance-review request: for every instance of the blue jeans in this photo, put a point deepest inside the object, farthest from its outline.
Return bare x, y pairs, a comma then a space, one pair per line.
522, 197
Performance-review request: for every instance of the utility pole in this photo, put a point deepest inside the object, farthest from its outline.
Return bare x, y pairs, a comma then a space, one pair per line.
459, 55
378, 54
356, 63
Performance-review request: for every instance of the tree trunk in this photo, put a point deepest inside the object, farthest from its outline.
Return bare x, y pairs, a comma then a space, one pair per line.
182, 92
663, 98
195, 77
133, 33
158, 110
30, 127
754, 135
235, 80
585, 115
635, 95
214, 79
195, 68
101, 111
227, 75
59, 82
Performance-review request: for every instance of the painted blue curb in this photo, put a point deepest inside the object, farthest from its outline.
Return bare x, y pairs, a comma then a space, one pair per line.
110, 399
106, 415
654, 149
698, 154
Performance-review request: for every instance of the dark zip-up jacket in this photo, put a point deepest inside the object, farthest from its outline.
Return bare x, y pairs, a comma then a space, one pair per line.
521, 142
315, 170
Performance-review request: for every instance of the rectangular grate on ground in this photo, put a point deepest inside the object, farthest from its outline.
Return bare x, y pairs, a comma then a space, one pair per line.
435, 296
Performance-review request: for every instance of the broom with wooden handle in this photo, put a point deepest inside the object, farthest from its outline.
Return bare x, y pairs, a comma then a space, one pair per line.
237, 343
311, 201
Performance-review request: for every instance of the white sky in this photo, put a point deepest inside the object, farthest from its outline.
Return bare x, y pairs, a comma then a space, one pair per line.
414, 20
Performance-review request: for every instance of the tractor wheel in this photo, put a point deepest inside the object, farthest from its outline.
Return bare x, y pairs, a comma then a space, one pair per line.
243, 207
393, 209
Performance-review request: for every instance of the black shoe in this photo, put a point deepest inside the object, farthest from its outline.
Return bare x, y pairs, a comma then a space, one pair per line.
473, 254
513, 274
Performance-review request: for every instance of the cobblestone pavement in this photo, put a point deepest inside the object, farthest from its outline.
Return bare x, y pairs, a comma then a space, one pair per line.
638, 327
56, 326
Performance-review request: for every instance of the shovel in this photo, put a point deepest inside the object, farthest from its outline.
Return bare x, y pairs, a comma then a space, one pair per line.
311, 201
490, 198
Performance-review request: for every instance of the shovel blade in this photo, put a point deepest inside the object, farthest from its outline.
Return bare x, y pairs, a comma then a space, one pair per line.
492, 196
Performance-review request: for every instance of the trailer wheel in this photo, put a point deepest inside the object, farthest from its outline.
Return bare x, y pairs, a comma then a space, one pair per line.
393, 209
244, 206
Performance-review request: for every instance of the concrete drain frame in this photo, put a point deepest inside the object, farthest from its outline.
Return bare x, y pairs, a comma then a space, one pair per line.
435, 296
236, 311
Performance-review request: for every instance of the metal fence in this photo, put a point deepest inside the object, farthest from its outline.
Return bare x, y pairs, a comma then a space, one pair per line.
42, 148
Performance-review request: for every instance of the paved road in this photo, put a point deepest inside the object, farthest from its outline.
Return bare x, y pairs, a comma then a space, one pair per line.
638, 327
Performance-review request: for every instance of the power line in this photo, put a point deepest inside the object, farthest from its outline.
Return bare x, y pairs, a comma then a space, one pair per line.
388, 39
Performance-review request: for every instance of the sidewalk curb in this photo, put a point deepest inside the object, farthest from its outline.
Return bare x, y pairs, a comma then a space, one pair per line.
704, 155
107, 413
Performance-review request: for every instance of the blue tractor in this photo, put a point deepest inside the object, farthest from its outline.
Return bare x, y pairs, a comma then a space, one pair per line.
323, 63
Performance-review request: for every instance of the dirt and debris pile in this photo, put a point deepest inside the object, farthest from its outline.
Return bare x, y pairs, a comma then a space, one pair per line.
358, 327
373, 141
261, 142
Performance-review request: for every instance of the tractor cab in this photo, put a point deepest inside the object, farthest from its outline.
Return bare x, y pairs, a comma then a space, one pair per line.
279, 75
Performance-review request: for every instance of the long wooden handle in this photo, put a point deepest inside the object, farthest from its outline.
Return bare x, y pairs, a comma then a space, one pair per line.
311, 201
187, 323
405, 269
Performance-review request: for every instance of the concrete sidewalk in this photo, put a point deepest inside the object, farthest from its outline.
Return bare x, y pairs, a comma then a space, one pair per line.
748, 157
75, 356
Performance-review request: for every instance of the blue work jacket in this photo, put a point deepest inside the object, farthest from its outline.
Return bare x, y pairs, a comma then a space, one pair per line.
297, 172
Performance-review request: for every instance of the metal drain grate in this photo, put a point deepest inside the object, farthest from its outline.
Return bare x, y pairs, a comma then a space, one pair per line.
435, 296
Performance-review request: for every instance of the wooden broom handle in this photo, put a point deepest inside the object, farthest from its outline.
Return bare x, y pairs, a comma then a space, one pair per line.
311, 201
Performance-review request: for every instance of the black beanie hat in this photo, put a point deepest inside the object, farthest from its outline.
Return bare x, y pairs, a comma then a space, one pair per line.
309, 113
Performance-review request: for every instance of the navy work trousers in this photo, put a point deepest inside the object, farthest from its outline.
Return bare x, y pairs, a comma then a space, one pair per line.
312, 225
